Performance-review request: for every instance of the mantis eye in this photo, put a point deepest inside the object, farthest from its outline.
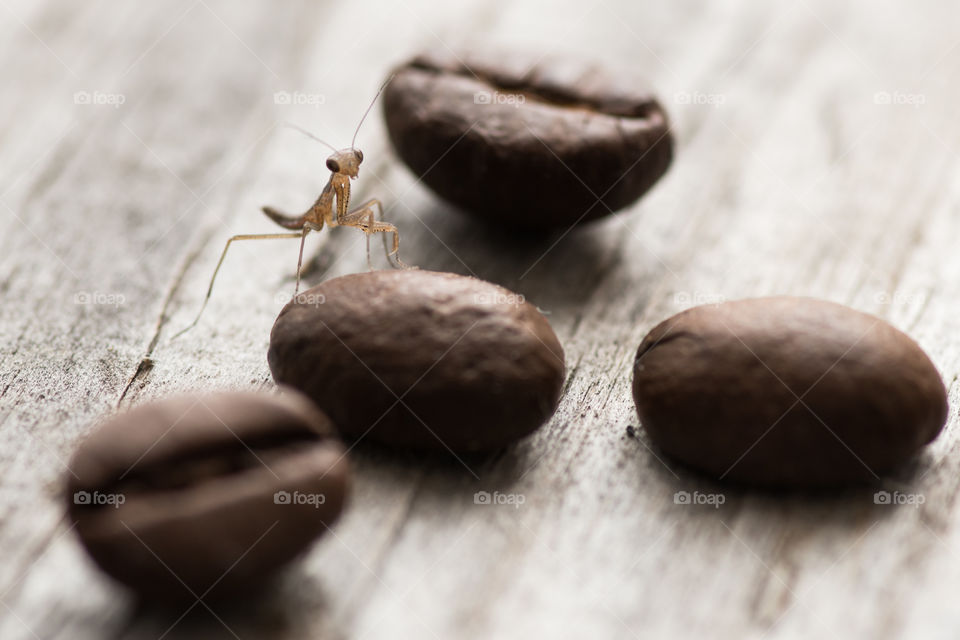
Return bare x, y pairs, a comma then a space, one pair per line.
359, 155
333, 165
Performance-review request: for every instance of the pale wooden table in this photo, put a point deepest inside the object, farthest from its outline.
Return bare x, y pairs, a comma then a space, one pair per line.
817, 154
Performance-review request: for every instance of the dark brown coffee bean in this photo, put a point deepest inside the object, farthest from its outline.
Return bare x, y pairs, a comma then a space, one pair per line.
524, 141
787, 392
420, 359
206, 496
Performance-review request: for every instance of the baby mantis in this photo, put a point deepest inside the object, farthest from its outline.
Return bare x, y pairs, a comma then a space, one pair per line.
344, 166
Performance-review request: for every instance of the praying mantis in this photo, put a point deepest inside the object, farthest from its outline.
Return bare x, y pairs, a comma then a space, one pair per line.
344, 166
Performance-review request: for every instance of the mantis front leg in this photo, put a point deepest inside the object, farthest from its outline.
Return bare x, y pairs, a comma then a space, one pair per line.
363, 218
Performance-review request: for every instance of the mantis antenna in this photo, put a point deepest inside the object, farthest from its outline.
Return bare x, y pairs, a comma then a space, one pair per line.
370, 106
308, 134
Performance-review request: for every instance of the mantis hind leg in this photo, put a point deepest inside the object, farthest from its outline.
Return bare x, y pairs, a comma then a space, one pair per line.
258, 236
307, 228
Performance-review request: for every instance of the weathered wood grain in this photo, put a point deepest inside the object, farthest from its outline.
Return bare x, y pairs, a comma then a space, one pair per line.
792, 176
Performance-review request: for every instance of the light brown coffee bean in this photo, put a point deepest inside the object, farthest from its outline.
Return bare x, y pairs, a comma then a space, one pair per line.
207, 495
420, 359
786, 392
538, 142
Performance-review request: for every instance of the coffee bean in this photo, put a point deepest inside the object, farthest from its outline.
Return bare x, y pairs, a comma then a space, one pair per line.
420, 359
786, 392
527, 141
206, 496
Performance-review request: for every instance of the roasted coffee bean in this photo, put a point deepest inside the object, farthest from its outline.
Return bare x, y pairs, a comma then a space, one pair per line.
527, 141
206, 496
420, 359
786, 392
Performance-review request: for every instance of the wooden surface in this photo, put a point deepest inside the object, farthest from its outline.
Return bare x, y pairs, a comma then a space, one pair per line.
793, 175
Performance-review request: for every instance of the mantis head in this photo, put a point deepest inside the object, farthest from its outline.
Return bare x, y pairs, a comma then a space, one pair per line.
346, 161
